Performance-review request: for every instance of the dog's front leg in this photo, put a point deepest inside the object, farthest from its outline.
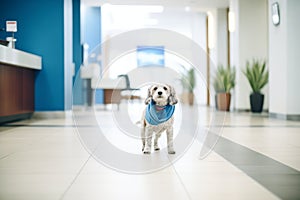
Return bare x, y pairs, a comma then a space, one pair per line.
143, 137
157, 136
170, 140
147, 148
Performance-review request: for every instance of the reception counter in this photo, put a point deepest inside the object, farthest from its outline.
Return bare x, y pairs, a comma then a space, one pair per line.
17, 76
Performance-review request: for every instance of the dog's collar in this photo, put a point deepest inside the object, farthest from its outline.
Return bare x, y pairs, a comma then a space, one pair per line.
158, 114
159, 108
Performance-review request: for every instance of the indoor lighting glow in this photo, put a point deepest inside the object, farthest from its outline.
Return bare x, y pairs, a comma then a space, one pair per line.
187, 9
231, 21
139, 8
130, 16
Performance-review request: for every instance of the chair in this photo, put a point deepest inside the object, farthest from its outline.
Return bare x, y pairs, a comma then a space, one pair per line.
126, 93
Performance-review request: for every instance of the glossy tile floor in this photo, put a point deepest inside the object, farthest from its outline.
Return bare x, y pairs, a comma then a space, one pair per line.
255, 158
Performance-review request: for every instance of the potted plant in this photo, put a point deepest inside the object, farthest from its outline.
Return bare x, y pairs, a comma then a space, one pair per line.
188, 82
258, 77
224, 81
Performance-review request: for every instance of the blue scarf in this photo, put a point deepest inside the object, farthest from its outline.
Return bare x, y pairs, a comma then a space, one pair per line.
158, 114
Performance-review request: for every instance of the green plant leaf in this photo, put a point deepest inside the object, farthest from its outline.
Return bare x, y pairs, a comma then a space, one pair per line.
188, 80
256, 74
224, 79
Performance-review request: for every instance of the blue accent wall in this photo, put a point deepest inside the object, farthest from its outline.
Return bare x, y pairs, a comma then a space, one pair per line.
77, 52
41, 32
77, 49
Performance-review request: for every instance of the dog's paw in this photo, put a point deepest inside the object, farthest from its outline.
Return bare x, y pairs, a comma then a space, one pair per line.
171, 152
146, 152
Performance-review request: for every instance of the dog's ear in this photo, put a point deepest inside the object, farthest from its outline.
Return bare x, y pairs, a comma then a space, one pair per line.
149, 97
172, 98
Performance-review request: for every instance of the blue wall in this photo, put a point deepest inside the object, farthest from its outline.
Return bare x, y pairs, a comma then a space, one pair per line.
41, 32
77, 51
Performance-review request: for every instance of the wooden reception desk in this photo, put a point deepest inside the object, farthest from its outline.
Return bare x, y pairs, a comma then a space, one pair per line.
17, 76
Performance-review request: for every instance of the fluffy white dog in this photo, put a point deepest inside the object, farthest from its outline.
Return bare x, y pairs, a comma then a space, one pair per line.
158, 117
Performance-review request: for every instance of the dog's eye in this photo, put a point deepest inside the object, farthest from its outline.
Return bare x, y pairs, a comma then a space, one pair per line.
155, 88
165, 88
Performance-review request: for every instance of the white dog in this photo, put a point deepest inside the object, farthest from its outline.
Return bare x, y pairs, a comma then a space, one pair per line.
158, 116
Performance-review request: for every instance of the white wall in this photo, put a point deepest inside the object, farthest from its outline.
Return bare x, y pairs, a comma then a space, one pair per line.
198, 29
222, 40
278, 61
284, 48
250, 40
293, 44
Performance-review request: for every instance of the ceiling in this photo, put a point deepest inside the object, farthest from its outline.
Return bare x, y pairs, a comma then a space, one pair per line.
193, 4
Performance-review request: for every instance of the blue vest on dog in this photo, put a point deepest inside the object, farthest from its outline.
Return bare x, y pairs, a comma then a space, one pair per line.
158, 114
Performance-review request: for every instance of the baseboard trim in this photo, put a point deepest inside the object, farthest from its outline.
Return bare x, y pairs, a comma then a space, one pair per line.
13, 118
241, 110
285, 117
52, 114
249, 110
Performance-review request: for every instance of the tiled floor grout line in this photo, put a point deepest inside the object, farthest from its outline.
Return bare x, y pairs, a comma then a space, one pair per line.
75, 178
224, 126
79, 172
180, 180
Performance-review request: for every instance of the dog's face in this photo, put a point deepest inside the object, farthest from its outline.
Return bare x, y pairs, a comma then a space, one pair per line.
161, 94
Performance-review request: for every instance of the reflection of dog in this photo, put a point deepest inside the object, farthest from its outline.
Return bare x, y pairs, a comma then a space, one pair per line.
158, 116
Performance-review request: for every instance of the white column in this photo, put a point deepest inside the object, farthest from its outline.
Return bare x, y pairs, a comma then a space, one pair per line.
218, 43
284, 48
68, 54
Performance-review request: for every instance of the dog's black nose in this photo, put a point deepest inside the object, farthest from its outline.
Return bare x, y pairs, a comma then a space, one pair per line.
159, 93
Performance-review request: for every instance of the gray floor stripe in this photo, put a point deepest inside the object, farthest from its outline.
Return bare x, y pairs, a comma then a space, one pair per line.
280, 179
